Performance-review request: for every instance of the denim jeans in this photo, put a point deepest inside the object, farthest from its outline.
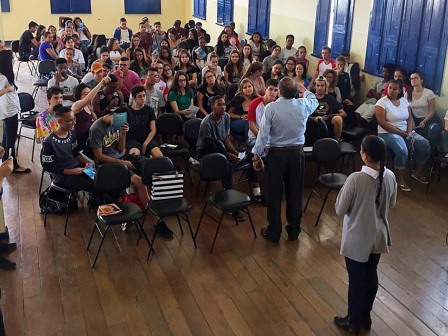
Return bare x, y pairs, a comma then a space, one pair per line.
398, 145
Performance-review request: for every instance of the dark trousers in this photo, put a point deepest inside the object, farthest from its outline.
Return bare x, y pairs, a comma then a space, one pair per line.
362, 285
77, 182
10, 126
424, 131
285, 169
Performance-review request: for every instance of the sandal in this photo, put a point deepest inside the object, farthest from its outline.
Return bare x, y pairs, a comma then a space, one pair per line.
404, 187
421, 179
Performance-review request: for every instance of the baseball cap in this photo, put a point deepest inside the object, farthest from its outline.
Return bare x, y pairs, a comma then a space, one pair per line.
97, 66
145, 19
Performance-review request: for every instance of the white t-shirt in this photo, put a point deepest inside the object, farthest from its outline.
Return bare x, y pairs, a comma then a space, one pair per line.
9, 102
160, 85
68, 86
287, 53
154, 100
218, 72
87, 78
396, 116
124, 36
77, 57
420, 107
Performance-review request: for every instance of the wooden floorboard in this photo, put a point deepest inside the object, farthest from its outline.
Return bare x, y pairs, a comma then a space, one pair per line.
247, 286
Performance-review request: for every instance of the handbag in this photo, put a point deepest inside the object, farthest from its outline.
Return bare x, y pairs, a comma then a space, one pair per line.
167, 185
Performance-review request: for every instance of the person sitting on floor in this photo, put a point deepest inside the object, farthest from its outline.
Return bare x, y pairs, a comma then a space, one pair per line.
46, 121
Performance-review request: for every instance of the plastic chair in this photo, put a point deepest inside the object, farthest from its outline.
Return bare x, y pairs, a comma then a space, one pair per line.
27, 118
45, 70
170, 126
110, 178
214, 167
15, 50
191, 134
326, 151
434, 138
178, 207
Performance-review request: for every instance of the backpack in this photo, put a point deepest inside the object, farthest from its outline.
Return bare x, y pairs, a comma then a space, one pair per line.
53, 207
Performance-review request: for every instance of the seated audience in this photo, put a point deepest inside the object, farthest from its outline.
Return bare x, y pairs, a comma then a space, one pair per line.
332, 89
82, 31
300, 77
186, 66
140, 64
200, 54
301, 56
78, 56
247, 57
239, 107
166, 56
123, 35
275, 55
276, 72
135, 43
355, 73
255, 74
180, 97
126, 78
192, 40
161, 84
28, 43
395, 127
328, 110
108, 98
142, 126
325, 63
208, 89
57, 43
257, 45
66, 82
61, 156
158, 35
212, 65
97, 72
74, 68
223, 46
422, 102
290, 67
115, 52
232, 36
201, 32
146, 40
46, 121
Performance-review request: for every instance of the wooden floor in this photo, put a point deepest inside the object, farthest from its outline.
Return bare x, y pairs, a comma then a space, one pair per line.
246, 287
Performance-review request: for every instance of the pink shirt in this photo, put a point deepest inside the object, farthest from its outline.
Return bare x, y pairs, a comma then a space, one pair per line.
129, 81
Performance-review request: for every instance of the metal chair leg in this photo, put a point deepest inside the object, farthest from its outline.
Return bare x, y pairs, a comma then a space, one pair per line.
180, 225
91, 235
217, 230
251, 223
101, 245
46, 207
191, 231
200, 219
322, 207
66, 213
151, 247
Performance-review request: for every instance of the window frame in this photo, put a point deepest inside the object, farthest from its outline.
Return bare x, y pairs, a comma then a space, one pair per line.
256, 5
221, 13
200, 9
6, 8
80, 7
142, 7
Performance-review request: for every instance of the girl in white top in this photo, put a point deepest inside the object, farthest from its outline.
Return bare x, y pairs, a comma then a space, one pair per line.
423, 104
364, 201
396, 128
9, 109
212, 65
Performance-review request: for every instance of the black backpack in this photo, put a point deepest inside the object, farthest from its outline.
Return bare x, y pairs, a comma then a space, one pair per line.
53, 207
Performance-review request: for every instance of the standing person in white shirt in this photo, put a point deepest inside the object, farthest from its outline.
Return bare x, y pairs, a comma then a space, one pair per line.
63, 80
364, 201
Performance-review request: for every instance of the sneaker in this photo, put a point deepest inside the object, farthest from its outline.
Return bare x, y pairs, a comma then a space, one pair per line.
259, 198
421, 179
237, 215
5, 264
193, 161
6, 248
163, 230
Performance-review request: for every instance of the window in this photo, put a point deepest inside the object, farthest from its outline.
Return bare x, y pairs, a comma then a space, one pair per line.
70, 7
199, 8
5, 6
333, 26
225, 12
259, 17
142, 7
412, 35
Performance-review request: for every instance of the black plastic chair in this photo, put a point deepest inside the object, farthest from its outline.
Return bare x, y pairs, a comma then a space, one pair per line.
191, 134
178, 207
170, 126
231, 91
214, 167
325, 152
111, 178
27, 119
45, 70
434, 138
15, 50
71, 193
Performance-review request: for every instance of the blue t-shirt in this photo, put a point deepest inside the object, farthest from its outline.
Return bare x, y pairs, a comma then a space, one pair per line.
44, 56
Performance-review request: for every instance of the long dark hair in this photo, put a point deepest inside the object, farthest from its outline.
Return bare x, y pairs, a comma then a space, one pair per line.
170, 55
400, 86
217, 89
221, 45
230, 66
411, 89
375, 148
175, 86
6, 57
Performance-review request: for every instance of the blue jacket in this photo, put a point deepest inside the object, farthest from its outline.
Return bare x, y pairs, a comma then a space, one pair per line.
117, 34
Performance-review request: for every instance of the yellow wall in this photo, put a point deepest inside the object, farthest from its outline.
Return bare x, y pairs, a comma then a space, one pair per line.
289, 17
103, 20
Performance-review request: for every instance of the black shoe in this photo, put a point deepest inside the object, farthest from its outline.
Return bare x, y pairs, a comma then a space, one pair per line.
6, 248
259, 199
265, 234
292, 236
5, 264
366, 322
238, 216
163, 231
348, 324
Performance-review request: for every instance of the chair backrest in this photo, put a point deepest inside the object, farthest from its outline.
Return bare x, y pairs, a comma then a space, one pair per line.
161, 164
222, 62
113, 176
213, 167
326, 150
15, 46
231, 91
212, 145
26, 102
191, 131
434, 135
169, 124
46, 67
322, 129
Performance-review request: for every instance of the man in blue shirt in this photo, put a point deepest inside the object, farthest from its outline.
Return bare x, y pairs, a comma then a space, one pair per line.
281, 136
